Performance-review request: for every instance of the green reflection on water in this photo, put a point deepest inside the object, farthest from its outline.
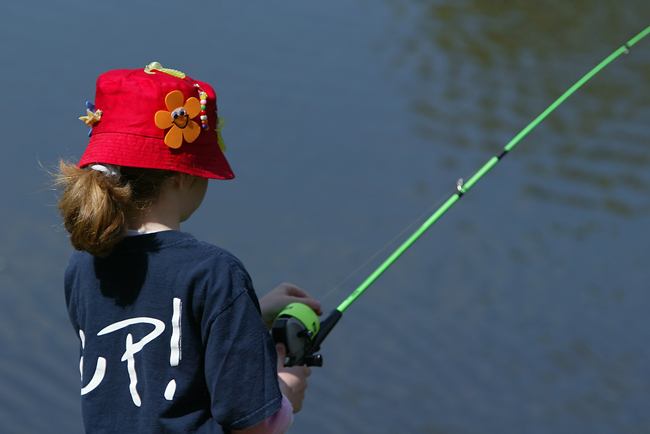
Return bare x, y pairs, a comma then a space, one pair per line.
479, 71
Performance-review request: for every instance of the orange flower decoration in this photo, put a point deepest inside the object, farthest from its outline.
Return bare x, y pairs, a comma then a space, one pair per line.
179, 119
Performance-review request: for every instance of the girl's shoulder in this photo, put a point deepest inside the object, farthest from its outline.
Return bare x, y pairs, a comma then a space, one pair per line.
162, 265
168, 256
185, 250
175, 246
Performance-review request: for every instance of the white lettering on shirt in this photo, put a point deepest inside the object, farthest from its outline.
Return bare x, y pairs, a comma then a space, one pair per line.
175, 342
100, 368
133, 348
175, 346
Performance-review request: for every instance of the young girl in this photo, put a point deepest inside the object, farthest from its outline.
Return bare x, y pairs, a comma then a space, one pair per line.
173, 338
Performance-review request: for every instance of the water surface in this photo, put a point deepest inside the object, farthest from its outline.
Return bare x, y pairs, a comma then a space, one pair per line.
522, 310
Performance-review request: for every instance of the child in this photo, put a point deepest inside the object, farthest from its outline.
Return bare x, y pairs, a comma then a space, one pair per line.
173, 338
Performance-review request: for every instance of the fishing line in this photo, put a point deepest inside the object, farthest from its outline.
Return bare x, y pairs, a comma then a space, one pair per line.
395, 238
298, 327
464, 187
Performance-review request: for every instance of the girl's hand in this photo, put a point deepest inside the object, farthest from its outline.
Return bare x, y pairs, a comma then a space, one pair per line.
293, 380
275, 301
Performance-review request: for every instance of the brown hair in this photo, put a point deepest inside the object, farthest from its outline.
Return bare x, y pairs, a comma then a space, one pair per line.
93, 203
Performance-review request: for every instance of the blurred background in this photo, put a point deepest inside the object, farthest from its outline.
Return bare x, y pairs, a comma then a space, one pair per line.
524, 309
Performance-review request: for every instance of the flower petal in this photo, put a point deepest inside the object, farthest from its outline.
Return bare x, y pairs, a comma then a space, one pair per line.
191, 131
163, 119
174, 100
193, 107
174, 138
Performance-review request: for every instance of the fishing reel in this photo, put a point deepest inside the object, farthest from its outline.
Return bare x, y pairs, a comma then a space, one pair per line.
298, 328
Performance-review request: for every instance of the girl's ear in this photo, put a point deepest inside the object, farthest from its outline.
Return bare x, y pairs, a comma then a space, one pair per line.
179, 180
184, 181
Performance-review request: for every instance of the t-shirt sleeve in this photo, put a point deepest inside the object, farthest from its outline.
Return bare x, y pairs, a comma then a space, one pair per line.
241, 365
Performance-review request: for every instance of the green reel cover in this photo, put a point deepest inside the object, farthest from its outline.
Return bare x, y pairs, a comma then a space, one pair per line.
304, 314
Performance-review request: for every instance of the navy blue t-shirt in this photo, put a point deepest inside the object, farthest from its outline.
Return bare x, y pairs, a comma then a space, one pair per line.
172, 340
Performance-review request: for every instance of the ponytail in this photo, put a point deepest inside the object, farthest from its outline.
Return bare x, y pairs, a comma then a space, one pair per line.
91, 208
94, 202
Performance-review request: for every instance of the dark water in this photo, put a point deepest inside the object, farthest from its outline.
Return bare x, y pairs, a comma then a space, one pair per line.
524, 309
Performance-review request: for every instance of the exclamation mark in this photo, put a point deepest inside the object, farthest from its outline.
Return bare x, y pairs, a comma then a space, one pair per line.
175, 345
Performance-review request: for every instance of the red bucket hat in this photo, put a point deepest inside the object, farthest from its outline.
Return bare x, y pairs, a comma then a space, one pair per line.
156, 118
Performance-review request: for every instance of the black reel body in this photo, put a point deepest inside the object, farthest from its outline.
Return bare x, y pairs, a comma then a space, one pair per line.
298, 328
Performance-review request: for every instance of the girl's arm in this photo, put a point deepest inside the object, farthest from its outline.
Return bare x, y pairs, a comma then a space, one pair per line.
276, 424
293, 382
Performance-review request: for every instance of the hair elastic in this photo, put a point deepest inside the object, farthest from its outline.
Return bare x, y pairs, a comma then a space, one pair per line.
110, 170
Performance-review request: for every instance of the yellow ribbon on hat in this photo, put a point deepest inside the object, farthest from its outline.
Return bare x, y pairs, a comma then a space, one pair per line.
156, 66
221, 122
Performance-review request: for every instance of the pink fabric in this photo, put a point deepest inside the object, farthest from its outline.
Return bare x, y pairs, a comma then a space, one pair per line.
279, 423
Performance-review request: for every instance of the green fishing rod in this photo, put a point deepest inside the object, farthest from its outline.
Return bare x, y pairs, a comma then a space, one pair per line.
298, 327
